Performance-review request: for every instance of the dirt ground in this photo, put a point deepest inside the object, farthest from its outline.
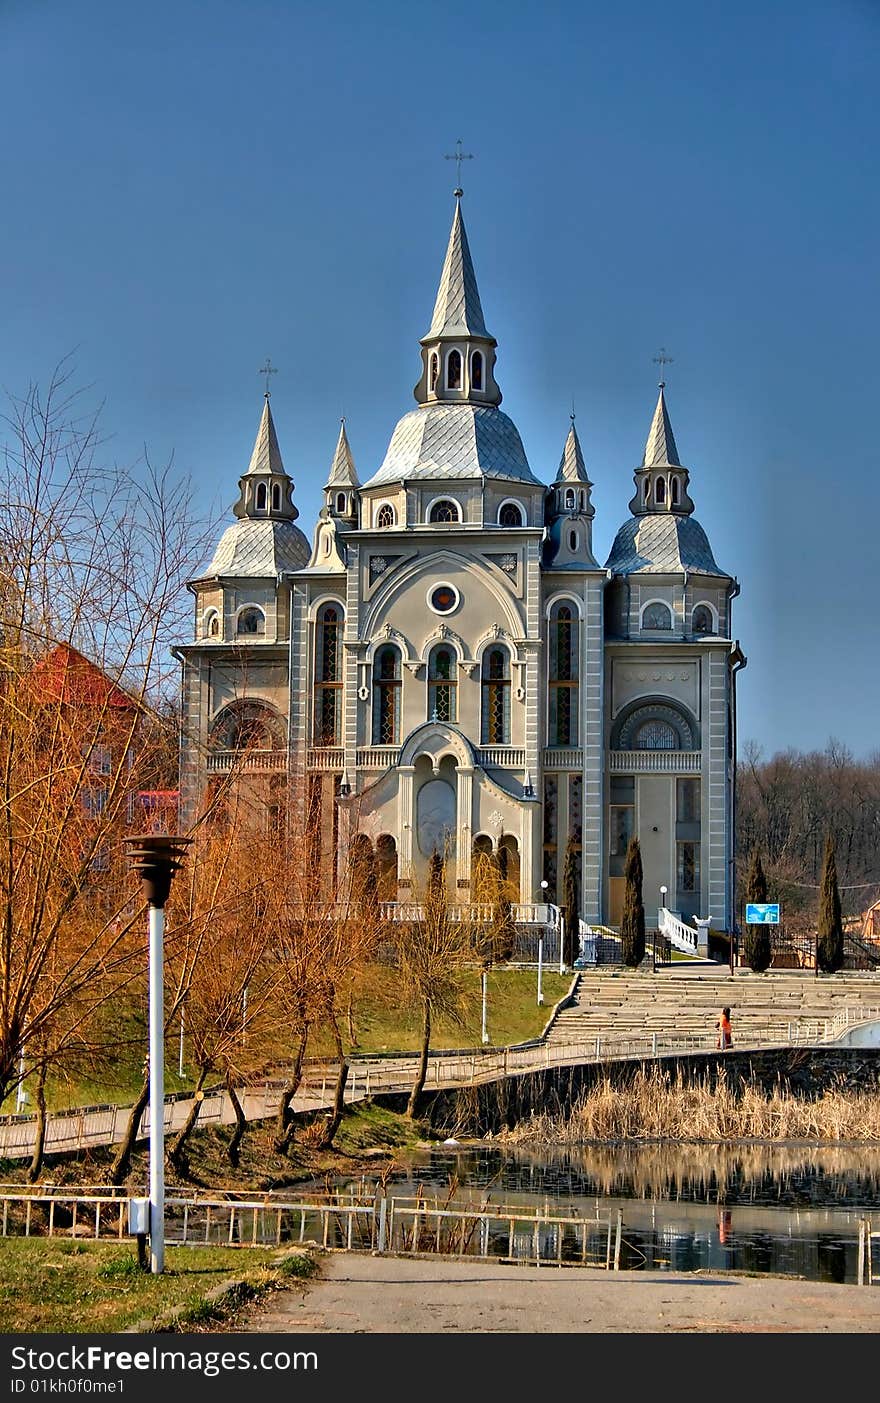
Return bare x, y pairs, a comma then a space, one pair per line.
358, 1294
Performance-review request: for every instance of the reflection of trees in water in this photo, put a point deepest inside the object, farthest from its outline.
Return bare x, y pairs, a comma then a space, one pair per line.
784, 1176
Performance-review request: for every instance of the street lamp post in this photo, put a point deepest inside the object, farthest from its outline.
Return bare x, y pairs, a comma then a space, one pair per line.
156, 857
663, 891
544, 886
485, 1029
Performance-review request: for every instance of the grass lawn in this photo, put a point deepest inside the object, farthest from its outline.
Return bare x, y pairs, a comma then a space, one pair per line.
513, 1013
52, 1285
377, 1019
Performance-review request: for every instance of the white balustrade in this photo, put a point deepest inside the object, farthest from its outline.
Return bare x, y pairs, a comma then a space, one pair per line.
678, 762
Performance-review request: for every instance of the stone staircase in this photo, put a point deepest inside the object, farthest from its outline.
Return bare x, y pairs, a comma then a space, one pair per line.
685, 1001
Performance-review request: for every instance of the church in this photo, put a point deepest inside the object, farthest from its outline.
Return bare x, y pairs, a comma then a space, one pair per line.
448, 666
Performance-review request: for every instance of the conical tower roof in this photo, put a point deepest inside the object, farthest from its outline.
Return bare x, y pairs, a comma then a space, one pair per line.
266, 457
571, 465
660, 449
342, 470
457, 310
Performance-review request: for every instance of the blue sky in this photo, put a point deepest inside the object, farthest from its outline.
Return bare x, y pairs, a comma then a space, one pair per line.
190, 187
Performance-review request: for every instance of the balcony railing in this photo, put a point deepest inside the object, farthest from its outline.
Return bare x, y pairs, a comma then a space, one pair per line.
326, 757
674, 762
569, 758
377, 757
502, 756
220, 762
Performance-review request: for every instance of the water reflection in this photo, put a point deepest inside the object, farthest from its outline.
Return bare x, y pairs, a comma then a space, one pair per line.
791, 1210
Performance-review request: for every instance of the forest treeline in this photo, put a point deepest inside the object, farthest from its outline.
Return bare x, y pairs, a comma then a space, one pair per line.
786, 805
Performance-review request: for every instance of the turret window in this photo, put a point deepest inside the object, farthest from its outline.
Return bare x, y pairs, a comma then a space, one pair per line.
660, 491
572, 541
328, 676
442, 684
477, 371
657, 616
261, 497
434, 371
510, 515
495, 701
453, 370
385, 516
569, 500
340, 503
564, 670
251, 621
386, 696
703, 622
212, 625
674, 491
276, 496
444, 511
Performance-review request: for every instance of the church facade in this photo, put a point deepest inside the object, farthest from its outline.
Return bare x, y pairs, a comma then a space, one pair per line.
447, 665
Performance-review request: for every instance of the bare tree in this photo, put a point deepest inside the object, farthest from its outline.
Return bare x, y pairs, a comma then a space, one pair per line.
92, 564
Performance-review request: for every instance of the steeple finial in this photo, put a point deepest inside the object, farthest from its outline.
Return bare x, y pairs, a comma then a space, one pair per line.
662, 359
458, 156
267, 370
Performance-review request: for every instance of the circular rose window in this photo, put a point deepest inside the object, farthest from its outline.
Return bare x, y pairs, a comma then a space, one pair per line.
443, 599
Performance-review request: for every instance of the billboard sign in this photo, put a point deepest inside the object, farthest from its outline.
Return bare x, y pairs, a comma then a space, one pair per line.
762, 913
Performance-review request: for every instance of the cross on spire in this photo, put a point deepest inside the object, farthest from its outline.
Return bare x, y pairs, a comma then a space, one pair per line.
267, 370
662, 359
458, 156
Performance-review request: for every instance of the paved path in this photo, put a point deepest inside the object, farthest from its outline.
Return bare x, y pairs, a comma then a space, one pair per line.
364, 1294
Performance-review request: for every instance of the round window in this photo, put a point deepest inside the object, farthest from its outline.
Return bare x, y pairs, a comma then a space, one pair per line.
443, 599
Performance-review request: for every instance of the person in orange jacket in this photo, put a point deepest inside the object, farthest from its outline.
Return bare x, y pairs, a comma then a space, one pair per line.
725, 1035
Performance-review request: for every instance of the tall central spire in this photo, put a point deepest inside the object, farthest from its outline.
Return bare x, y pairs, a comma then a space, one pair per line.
458, 352
457, 310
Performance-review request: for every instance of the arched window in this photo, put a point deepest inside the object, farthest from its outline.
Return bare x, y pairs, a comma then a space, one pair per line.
261, 496
276, 496
660, 491
703, 621
212, 624
477, 371
674, 491
510, 515
434, 371
444, 511
453, 370
328, 675
572, 540
386, 696
656, 735
247, 726
562, 712
582, 501
657, 616
646, 490
340, 503
251, 621
442, 684
385, 516
495, 701
569, 499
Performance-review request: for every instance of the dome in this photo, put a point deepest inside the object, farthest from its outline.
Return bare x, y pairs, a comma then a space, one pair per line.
448, 441
660, 545
259, 549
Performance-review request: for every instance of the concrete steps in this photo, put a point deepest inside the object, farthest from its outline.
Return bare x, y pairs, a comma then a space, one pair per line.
681, 1001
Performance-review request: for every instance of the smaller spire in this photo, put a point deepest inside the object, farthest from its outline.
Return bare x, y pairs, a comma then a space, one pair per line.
660, 449
266, 457
342, 470
571, 466
457, 310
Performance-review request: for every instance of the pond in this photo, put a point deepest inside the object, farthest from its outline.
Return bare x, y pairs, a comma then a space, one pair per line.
790, 1210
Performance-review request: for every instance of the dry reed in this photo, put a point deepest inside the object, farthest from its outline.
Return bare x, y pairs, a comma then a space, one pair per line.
659, 1105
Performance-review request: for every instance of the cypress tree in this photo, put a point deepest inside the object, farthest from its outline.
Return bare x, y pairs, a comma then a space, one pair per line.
632, 927
570, 906
829, 939
757, 951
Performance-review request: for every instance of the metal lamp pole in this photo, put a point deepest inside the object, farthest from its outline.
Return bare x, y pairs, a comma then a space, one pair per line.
485, 1030
663, 891
544, 886
156, 857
